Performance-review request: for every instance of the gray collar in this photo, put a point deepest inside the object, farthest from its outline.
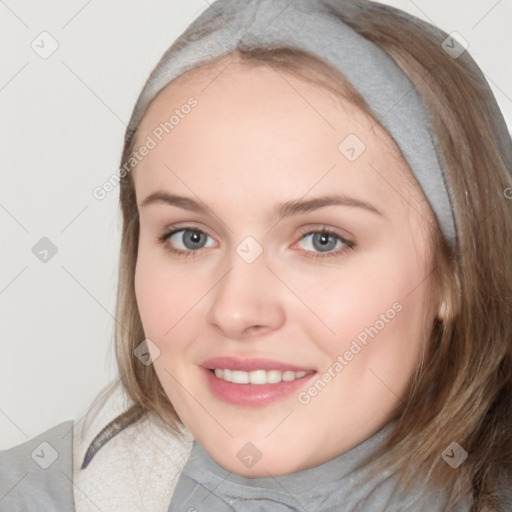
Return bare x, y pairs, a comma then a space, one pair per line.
337, 485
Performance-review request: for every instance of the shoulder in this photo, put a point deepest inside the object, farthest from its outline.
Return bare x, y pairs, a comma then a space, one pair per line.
37, 474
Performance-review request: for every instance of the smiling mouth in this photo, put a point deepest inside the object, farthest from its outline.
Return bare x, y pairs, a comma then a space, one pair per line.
253, 382
258, 377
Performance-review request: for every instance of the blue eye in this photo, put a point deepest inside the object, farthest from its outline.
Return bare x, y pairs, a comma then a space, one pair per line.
316, 244
185, 240
324, 243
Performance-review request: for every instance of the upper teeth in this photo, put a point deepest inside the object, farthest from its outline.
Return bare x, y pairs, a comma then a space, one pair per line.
257, 376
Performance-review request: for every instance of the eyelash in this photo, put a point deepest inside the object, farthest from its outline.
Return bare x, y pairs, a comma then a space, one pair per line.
348, 244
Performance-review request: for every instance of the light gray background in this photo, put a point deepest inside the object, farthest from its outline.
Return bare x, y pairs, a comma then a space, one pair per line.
63, 125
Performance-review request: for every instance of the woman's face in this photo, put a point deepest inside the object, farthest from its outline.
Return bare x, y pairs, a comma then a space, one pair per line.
296, 269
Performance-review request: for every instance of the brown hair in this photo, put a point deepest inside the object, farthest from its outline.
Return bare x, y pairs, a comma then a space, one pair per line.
462, 388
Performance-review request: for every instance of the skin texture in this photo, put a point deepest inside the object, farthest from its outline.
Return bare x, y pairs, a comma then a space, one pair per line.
258, 138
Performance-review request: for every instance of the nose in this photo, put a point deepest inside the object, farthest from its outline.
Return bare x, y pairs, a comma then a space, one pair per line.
246, 301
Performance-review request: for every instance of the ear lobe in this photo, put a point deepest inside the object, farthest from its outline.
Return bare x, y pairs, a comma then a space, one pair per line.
449, 300
442, 313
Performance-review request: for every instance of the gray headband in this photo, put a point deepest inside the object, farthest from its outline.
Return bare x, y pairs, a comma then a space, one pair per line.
314, 26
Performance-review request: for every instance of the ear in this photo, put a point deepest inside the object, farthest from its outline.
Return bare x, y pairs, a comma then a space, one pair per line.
448, 303
443, 313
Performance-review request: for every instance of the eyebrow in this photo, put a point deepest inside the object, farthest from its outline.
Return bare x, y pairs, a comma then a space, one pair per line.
282, 210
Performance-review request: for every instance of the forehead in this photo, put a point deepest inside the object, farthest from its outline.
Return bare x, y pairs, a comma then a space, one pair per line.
262, 124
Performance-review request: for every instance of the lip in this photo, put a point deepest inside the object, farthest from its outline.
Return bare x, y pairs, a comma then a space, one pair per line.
250, 364
251, 395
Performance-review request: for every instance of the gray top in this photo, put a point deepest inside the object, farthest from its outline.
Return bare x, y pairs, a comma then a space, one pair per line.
335, 486
38, 474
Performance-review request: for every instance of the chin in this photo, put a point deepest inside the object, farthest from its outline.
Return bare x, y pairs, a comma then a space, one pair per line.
251, 462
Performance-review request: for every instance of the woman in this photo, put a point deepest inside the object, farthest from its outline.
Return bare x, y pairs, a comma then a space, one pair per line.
314, 281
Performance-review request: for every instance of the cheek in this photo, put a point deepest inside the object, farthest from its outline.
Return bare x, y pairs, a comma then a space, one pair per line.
380, 305
153, 302
171, 306
163, 296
